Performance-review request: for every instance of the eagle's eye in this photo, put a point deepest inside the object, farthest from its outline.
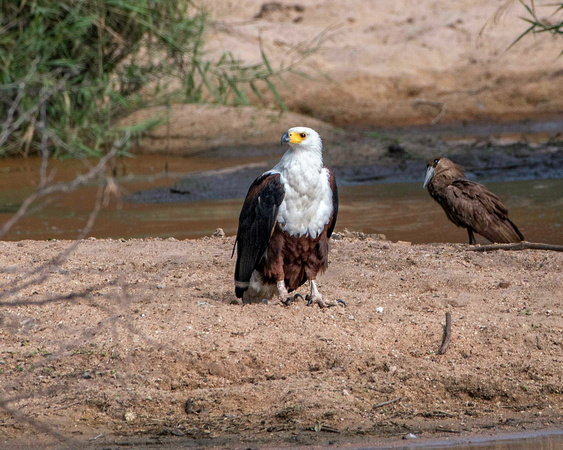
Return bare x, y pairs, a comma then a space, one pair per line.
436, 161
303, 135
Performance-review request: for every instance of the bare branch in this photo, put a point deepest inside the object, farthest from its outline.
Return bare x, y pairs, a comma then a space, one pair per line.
10, 125
43, 270
389, 402
42, 125
524, 245
7, 125
64, 187
447, 334
18, 415
441, 105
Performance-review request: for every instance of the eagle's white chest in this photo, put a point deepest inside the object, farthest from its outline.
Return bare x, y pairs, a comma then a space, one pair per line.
307, 206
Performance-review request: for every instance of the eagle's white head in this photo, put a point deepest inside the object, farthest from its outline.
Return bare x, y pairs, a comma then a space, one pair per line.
303, 138
308, 200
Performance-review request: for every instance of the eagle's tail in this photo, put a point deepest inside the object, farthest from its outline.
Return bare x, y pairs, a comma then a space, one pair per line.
240, 288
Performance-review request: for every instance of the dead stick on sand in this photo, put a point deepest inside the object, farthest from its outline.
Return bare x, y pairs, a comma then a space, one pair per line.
447, 334
518, 246
395, 400
440, 105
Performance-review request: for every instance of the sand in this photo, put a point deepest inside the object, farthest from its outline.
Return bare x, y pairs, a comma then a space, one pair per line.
129, 341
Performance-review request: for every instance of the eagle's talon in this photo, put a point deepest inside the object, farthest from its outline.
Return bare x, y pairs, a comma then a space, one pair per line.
337, 301
325, 304
289, 300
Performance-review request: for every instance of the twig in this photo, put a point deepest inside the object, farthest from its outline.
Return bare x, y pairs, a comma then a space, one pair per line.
524, 245
10, 124
42, 125
447, 334
389, 402
73, 296
43, 272
39, 426
7, 125
40, 274
439, 414
329, 429
440, 105
320, 427
70, 405
80, 180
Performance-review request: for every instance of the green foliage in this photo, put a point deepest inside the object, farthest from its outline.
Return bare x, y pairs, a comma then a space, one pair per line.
70, 69
552, 25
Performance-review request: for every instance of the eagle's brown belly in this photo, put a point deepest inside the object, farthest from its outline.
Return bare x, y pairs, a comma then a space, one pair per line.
294, 259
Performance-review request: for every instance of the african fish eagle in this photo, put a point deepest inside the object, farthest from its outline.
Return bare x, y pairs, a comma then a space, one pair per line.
468, 204
285, 223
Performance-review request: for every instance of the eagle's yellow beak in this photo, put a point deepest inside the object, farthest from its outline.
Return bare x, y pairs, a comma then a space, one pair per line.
293, 138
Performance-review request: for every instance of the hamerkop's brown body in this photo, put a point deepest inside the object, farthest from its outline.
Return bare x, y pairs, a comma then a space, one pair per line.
468, 204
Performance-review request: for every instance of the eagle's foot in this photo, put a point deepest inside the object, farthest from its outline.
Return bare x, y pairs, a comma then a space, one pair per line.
289, 300
318, 299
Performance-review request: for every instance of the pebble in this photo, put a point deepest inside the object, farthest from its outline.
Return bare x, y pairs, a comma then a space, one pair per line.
219, 233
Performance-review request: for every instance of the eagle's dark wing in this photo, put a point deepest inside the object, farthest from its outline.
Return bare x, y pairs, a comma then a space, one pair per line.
332, 223
256, 223
471, 205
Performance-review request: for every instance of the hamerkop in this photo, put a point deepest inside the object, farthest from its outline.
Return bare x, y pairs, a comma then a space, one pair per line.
468, 204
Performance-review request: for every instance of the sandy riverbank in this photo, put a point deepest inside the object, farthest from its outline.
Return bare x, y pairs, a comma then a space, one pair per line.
140, 339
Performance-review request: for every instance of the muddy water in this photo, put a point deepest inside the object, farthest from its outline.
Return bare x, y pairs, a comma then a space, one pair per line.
401, 211
531, 440
404, 211
64, 216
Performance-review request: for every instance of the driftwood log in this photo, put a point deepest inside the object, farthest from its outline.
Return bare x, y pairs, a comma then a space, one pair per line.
524, 245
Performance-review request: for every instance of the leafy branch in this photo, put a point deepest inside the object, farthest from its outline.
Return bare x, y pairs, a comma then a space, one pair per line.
69, 71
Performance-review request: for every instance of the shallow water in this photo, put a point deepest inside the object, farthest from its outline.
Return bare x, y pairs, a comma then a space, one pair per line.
404, 211
401, 211
526, 440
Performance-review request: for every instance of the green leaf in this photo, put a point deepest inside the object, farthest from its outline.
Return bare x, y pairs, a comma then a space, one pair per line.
277, 96
257, 92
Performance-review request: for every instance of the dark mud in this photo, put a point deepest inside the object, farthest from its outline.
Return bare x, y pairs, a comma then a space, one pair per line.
482, 162
526, 440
